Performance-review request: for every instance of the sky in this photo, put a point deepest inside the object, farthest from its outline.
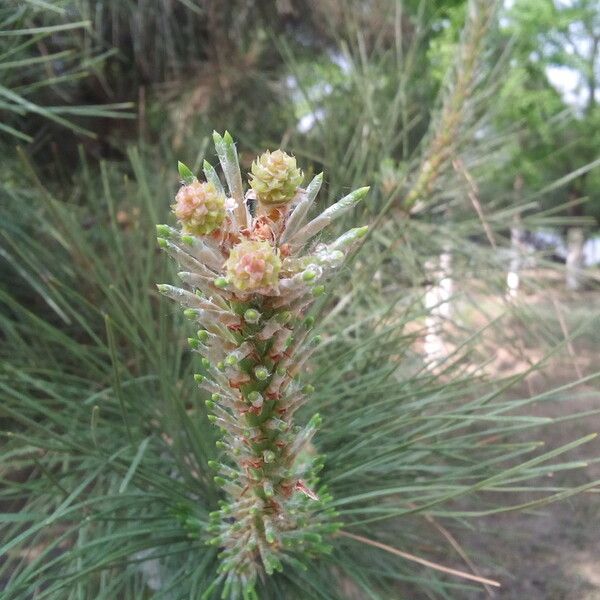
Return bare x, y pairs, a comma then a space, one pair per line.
568, 81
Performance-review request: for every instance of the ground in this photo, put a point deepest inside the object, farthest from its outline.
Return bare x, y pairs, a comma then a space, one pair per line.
554, 552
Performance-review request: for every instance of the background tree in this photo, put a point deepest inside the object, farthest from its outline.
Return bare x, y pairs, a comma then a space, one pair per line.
551, 90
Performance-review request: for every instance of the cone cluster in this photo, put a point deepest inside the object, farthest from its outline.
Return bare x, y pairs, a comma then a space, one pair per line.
275, 177
199, 208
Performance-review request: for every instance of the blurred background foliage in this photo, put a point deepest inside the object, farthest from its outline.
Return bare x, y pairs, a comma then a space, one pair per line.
477, 126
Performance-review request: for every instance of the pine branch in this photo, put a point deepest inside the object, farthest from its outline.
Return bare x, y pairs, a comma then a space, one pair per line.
459, 89
249, 291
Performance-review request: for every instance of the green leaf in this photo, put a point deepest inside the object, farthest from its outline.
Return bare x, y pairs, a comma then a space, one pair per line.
185, 173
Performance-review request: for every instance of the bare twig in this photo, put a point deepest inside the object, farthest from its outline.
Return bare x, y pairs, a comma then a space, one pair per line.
457, 547
419, 560
565, 332
473, 194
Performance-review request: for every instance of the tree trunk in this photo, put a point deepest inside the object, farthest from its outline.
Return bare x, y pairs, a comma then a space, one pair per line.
438, 303
575, 243
512, 277
516, 234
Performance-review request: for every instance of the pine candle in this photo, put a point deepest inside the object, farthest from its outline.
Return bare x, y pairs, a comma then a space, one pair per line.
250, 275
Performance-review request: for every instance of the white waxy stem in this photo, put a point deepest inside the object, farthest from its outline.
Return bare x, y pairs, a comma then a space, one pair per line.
211, 387
300, 304
305, 356
220, 378
214, 321
298, 215
212, 177
292, 296
305, 435
190, 300
204, 284
280, 340
330, 259
295, 349
228, 424
292, 288
275, 383
187, 261
213, 352
204, 253
233, 489
271, 327
231, 169
276, 425
348, 238
327, 216
238, 378
300, 280
222, 413
294, 404
224, 333
238, 354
